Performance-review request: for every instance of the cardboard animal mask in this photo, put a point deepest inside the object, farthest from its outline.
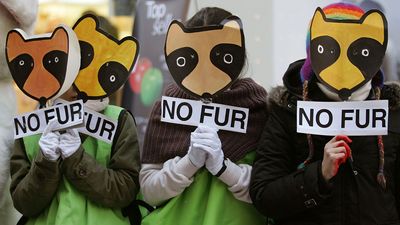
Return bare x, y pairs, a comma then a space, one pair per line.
205, 60
346, 54
105, 61
43, 66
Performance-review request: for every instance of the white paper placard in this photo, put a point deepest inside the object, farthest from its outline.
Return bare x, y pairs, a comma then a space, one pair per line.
98, 126
359, 118
193, 113
68, 114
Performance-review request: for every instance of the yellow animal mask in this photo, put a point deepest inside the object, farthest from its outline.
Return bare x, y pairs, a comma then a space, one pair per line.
43, 66
346, 54
205, 60
105, 61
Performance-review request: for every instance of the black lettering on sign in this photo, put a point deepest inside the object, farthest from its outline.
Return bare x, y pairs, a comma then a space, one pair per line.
366, 123
309, 120
59, 115
345, 117
31, 119
171, 111
107, 126
76, 109
330, 118
179, 111
89, 121
238, 116
203, 112
217, 116
376, 118
18, 125
49, 115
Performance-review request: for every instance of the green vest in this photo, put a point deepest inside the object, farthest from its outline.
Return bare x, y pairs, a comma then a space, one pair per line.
69, 206
207, 201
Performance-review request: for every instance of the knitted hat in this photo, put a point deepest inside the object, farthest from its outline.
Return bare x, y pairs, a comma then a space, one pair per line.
23, 11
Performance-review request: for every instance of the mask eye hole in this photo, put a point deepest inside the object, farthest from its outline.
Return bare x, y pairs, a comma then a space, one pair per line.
20, 68
320, 49
228, 58
181, 61
112, 78
87, 54
365, 52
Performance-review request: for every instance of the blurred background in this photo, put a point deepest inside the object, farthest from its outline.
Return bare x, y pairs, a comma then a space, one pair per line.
275, 32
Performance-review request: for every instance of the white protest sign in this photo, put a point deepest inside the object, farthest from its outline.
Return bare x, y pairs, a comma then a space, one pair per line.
193, 113
349, 118
68, 114
99, 126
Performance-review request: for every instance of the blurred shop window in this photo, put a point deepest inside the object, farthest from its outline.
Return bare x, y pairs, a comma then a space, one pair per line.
123, 7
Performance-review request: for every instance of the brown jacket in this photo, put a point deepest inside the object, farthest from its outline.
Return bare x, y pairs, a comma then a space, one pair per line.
115, 186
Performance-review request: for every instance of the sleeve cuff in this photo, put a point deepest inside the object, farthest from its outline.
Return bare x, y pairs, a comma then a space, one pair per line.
186, 167
232, 173
309, 185
324, 187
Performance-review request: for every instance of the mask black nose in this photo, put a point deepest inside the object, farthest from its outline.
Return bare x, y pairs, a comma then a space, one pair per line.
206, 97
344, 94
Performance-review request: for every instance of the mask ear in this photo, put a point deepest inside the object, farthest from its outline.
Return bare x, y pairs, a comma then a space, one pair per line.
376, 22
232, 22
175, 29
85, 23
317, 22
233, 30
15, 40
128, 51
60, 35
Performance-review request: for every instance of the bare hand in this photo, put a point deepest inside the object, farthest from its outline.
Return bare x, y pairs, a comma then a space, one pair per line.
336, 152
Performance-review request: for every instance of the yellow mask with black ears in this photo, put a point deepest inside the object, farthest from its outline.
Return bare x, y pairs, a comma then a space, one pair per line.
105, 61
205, 60
346, 54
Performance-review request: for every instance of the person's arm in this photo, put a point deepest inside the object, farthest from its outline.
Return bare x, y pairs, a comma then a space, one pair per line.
116, 185
33, 184
277, 188
237, 178
160, 182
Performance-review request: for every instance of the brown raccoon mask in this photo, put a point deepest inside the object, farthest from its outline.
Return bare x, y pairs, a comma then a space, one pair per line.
205, 60
43, 66
346, 54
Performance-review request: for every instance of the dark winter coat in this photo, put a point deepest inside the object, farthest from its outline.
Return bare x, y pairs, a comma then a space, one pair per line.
301, 196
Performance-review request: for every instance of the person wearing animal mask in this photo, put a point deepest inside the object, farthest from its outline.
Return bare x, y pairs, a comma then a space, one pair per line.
68, 176
314, 179
199, 174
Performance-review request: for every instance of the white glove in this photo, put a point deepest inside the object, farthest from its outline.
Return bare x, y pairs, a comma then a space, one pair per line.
196, 155
69, 142
49, 142
207, 140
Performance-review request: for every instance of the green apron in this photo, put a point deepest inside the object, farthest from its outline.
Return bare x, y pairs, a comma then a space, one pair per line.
207, 201
69, 206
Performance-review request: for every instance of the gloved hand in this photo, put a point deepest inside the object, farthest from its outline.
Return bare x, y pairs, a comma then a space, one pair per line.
49, 142
69, 142
196, 155
207, 140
